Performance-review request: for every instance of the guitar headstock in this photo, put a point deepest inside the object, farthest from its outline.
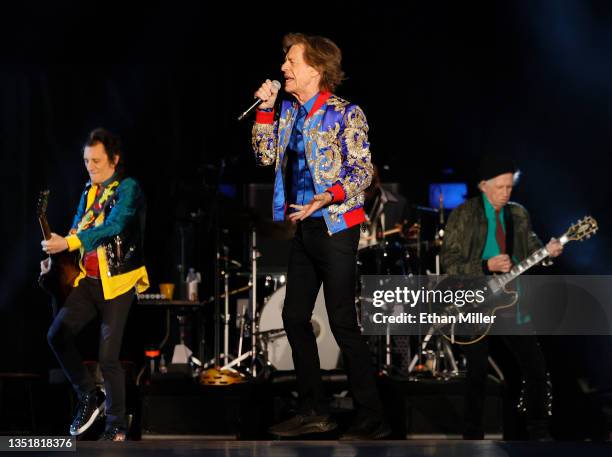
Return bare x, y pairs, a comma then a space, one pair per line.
583, 229
41, 204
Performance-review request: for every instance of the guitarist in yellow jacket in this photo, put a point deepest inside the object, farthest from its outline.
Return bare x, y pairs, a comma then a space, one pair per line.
108, 233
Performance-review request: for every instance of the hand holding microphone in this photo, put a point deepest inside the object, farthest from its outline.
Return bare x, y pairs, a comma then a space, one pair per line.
265, 97
267, 93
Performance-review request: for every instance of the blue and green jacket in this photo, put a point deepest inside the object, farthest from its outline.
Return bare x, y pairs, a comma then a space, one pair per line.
115, 232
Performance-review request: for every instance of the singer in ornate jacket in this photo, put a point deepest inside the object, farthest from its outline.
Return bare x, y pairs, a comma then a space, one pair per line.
319, 146
334, 133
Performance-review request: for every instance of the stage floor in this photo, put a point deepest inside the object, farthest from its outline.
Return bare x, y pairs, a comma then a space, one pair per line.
420, 448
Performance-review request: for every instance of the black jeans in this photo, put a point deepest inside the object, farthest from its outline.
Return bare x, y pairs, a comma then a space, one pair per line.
526, 350
84, 303
315, 258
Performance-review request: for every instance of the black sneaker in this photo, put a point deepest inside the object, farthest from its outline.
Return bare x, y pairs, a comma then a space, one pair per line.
304, 424
88, 409
367, 430
113, 434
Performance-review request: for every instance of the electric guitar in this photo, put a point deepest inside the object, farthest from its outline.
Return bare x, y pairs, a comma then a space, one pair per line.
499, 294
64, 266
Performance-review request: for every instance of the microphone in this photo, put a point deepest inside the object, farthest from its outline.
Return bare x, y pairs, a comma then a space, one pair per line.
258, 101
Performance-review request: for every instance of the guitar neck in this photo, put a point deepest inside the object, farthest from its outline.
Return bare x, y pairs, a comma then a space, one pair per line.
526, 264
44, 226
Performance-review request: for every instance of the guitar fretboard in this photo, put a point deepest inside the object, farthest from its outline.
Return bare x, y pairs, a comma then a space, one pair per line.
44, 226
501, 280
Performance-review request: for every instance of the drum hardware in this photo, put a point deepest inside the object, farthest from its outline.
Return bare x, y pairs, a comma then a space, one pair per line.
226, 314
253, 353
216, 375
404, 255
248, 325
220, 376
253, 298
440, 360
388, 362
385, 254
400, 229
443, 362
262, 324
265, 338
231, 293
228, 266
242, 325
271, 283
271, 335
219, 219
273, 351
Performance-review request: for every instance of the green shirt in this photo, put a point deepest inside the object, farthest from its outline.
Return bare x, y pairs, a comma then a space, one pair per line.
491, 248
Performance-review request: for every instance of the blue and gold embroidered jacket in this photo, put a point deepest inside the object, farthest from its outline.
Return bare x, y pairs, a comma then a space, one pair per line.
337, 153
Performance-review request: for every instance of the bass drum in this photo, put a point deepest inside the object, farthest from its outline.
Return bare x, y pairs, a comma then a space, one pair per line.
278, 348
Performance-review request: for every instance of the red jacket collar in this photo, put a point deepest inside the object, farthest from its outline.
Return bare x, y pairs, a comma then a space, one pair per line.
319, 102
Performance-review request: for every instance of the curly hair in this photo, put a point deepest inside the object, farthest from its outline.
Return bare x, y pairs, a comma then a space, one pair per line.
320, 53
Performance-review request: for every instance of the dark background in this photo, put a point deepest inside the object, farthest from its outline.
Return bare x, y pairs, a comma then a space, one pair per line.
440, 82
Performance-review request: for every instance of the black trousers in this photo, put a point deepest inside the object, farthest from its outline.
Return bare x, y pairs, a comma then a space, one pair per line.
526, 350
315, 258
84, 303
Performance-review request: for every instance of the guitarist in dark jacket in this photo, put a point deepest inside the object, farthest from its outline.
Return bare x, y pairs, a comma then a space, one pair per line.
107, 232
488, 234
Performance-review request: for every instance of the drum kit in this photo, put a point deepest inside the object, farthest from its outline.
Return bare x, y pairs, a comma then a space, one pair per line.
268, 349
249, 339
262, 347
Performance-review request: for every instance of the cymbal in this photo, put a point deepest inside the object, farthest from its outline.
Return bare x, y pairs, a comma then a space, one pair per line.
233, 264
221, 377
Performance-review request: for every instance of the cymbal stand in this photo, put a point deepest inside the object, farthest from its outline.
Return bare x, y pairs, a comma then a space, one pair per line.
226, 315
241, 328
253, 297
442, 348
214, 227
254, 352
